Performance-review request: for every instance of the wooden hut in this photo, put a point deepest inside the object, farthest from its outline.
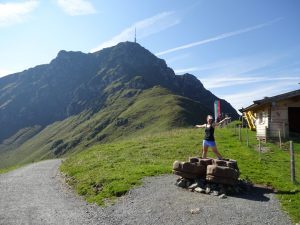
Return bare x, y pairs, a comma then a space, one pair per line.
274, 116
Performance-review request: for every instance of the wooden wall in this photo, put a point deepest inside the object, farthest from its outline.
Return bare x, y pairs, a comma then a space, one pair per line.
280, 116
273, 118
279, 121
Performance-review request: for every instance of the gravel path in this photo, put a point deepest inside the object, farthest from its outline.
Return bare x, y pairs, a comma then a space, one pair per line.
36, 195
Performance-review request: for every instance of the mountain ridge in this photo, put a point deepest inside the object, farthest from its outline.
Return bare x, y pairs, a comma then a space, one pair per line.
99, 87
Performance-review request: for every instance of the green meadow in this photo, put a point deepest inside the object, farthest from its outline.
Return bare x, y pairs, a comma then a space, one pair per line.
107, 171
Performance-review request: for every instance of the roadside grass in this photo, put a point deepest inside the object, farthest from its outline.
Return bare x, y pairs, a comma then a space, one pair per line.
8, 169
107, 171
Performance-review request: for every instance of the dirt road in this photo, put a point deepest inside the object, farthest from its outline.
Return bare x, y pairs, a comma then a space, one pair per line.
36, 195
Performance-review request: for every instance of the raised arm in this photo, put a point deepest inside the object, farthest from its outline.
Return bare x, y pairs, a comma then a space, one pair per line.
200, 126
222, 121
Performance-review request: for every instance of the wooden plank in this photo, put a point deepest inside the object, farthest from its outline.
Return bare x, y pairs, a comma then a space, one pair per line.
293, 176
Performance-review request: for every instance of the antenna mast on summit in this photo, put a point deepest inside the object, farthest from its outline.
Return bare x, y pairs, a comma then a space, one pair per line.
134, 35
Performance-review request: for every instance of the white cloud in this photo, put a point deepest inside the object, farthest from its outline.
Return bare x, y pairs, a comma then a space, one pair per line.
246, 97
12, 13
4, 72
218, 37
231, 81
242, 80
237, 71
185, 70
240, 65
76, 7
177, 58
144, 28
232, 67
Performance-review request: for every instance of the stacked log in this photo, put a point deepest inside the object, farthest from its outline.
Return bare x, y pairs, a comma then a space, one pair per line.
191, 170
209, 172
222, 175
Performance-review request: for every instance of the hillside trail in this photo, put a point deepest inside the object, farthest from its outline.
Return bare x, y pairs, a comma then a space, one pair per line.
37, 195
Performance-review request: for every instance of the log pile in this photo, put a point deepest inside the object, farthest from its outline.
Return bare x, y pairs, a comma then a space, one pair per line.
220, 177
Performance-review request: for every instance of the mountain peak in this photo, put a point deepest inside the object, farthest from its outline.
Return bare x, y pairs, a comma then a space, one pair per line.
128, 44
127, 49
125, 44
132, 59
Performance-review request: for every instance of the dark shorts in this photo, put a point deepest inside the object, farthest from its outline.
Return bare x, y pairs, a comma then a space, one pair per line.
209, 143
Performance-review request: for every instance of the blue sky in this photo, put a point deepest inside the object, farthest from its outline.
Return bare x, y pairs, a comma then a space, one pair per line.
241, 50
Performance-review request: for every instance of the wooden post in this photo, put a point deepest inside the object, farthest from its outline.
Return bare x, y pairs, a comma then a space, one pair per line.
292, 162
259, 147
283, 128
240, 133
266, 134
279, 139
247, 137
242, 121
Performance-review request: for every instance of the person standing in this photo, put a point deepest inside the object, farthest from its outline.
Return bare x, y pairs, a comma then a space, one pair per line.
209, 138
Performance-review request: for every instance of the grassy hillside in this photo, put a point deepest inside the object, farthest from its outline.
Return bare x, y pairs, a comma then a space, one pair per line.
128, 112
110, 170
79, 99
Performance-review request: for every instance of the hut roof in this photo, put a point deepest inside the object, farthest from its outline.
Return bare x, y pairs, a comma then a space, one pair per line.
269, 100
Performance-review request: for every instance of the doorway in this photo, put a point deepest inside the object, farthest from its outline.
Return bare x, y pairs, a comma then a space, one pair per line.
294, 119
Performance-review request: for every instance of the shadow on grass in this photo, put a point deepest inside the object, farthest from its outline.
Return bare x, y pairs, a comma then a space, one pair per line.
288, 192
255, 193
